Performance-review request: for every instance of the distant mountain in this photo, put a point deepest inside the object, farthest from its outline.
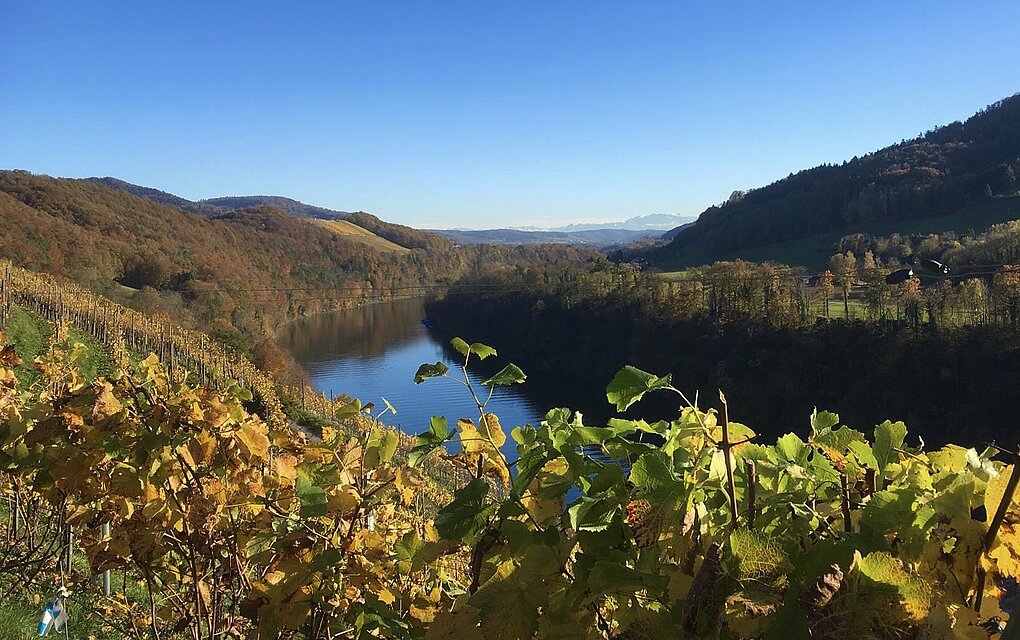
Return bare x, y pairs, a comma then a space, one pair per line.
650, 222
948, 170
597, 238
597, 234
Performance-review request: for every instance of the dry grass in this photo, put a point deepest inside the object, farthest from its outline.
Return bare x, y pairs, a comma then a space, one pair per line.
353, 232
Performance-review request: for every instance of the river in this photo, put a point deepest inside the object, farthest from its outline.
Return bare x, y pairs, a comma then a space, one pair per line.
372, 352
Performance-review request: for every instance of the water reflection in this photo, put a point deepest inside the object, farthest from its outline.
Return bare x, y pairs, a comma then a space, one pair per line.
372, 353
364, 332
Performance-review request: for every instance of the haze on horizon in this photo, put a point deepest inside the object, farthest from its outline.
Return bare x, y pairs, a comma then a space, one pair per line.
485, 116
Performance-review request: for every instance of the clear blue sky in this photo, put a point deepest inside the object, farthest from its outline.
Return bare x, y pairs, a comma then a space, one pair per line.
484, 114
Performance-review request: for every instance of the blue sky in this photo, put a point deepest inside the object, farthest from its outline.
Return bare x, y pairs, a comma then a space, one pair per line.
484, 114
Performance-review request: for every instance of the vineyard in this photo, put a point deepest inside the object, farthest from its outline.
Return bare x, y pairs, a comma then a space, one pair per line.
222, 524
209, 364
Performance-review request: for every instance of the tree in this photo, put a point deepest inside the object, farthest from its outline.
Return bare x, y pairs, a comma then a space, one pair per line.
1007, 289
972, 298
145, 269
910, 295
844, 267
825, 289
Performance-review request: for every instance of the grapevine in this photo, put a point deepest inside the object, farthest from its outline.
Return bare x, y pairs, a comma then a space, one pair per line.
238, 527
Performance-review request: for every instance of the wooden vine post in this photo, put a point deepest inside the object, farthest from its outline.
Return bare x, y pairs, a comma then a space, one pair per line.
5, 294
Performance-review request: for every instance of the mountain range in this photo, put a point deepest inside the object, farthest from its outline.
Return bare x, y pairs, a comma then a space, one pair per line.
650, 222
598, 238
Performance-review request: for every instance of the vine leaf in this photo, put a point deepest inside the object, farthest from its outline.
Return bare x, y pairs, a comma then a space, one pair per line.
483, 351
760, 567
381, 446
460, 346
510, 374
646, 522
313, 499
427, 371
428, 441
631, 384
889, 436
466, 514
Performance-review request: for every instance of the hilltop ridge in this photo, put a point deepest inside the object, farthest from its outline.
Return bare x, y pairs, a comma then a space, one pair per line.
954, 167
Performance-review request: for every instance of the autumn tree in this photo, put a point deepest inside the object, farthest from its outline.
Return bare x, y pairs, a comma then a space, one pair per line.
909, 295
825, 289
146, 269
1007, 290
972, 298
844, 267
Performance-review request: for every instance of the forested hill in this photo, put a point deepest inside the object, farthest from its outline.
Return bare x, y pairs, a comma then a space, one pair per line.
161, 197
236, 273
959, 165
291, 206
402, 235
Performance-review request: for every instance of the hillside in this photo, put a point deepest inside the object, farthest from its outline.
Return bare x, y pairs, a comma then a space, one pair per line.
404, 236
398, 234
353, 232
161, 197
961, 166
238, 274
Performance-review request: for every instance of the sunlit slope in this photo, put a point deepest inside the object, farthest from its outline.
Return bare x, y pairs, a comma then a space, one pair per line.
966, 169
351, 231
814, 251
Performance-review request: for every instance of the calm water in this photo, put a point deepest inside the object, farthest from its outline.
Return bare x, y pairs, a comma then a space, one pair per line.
372, 353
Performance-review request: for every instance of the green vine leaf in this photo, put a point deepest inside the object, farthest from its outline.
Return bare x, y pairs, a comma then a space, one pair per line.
631, 384
427, 371
510, 374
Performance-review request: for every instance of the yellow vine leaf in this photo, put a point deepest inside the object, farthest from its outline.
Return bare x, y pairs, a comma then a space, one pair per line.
254, 440
285, 468
491, 429
107, 404
343, 500
424, 614
470, 438
406, 484
275, 617
202, 448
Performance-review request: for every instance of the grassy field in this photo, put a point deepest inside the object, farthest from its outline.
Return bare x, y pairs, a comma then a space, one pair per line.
814, 251
19, 618
31, 337
353, 232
